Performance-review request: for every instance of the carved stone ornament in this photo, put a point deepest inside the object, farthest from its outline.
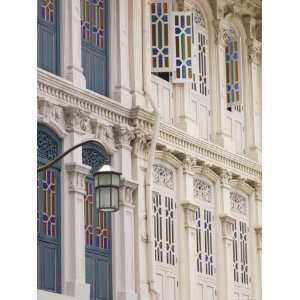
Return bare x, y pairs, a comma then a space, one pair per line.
77, 174
189, 215
123, 135
126, 190
202, 191
254, 51
188, 163
227, 227
163, 176
225, 177
51, 112
229, 34
77, 120
238, 203
103, 132
141, 143
198, 17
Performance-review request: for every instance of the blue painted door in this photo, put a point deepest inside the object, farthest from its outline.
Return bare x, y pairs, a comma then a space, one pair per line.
48, 37
94, 37
97, 228
48, 213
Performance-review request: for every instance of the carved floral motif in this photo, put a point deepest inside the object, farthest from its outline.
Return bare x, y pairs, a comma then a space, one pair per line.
202, 191
238, 203
163, 176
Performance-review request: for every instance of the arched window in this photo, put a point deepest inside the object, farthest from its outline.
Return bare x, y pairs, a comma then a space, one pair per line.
48, 212
205, 238
94, 40
97, 228
232, 61
48, 37
164, 208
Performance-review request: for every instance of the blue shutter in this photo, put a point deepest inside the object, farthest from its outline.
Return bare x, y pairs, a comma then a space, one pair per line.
98, 252
48, 213
94, 37
48, 37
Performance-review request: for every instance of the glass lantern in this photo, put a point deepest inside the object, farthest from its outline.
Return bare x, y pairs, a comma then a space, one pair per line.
107, 186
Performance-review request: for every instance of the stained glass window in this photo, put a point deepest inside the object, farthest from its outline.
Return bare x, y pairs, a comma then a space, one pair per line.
200, 55
47, 10
160, 36
48, 211
183, 46
92, 22
232, 57
97, 224
47, 35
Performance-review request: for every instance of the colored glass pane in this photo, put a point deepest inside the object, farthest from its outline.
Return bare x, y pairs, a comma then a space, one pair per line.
232, 74
92, 22
46, 11
160, 32
183, 47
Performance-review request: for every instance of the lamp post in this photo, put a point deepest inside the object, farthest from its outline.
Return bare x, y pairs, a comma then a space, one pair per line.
106, 182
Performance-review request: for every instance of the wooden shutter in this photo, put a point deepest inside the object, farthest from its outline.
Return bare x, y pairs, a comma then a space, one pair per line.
47, 31
94, 38
182, 39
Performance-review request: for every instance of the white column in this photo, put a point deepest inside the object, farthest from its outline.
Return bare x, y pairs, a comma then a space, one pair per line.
74, 243
119, 56
188, 274
71, 67
227, 226
254, 117
258, 231
225, 261
123, 221
187, 233
124, 254
220, 87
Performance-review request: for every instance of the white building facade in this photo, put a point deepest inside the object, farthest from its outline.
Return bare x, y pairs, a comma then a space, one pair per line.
172, 91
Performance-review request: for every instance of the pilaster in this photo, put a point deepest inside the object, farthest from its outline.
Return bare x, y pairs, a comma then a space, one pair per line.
73, 248
188, 272
71, 67
123, 239
227, 273
120, 67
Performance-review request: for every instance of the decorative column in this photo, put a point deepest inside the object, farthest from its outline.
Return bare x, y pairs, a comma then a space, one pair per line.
225, 264
74, 243
124, 237
71, 67
77, 124
123, 220
139, 163
258, 231
227, 232
188, 232
119, 43
220, 98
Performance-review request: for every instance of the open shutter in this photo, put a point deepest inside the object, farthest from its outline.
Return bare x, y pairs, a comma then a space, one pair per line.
182, 38
160, 36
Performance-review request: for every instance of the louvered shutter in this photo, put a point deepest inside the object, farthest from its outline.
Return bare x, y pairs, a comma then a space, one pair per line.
182, 39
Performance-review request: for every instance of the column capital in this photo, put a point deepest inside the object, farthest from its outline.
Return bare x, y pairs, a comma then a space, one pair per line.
254, 51
77, 120
226, 178
258, 191
77, 174
227, 226
123, 136
189, 215
188, 163
141, 143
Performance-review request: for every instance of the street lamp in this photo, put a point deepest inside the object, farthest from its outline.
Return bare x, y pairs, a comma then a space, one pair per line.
107, 185
106, 182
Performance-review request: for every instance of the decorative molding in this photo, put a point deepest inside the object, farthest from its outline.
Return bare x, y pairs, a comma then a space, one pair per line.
188, 163
123, 136
77, 174
199, 18
238, 203
254, 51
206, 171
141, 143
126, 190
258, 192
77, 120
225, 177
202, 190
189, 215
163, 176
227, 227
258, 231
